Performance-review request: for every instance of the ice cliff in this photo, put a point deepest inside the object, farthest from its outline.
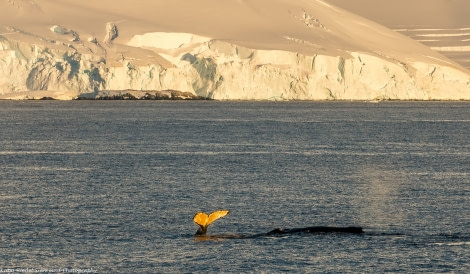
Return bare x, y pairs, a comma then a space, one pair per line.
223, 70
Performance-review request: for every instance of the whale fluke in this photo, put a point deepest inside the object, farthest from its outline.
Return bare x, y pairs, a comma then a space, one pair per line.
204, 220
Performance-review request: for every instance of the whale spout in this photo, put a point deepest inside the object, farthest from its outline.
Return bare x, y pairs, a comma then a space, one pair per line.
204, 220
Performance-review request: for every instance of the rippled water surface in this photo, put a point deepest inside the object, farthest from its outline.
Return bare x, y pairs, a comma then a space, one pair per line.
113, 186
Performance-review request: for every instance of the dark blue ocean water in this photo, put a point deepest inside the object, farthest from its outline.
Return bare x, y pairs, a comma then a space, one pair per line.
112, 186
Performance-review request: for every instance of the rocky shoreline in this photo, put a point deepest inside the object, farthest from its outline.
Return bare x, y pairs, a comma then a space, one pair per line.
141, 95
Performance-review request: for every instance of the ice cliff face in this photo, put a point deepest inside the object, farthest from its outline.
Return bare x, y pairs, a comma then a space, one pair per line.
26, 66
220, 70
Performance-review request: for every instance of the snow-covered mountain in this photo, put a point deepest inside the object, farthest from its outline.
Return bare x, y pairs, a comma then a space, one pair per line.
234, 49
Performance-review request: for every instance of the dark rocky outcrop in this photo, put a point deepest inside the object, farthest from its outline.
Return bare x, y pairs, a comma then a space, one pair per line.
142, 95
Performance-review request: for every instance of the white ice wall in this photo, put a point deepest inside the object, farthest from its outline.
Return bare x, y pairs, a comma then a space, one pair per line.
222, 70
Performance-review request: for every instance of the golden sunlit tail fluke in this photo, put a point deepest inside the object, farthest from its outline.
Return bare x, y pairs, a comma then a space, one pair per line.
204, 220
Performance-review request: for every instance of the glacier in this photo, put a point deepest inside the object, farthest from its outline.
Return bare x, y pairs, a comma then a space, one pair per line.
222, 70
236, 50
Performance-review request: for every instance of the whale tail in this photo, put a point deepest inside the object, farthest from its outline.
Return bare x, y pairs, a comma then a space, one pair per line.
204, 220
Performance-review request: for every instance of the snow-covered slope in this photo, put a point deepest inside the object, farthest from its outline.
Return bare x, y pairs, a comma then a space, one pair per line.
441, 25
234, 49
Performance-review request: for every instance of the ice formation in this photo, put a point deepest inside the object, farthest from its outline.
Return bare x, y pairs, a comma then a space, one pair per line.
319, 57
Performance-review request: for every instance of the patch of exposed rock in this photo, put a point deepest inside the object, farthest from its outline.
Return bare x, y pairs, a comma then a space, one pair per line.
111, 33
141, 95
